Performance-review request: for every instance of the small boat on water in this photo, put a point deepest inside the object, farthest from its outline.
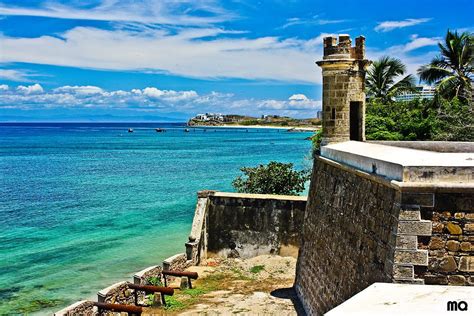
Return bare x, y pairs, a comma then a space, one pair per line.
160, 130
186, 130
130, 130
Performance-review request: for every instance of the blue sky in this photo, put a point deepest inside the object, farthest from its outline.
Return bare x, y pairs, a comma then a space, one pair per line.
155, 60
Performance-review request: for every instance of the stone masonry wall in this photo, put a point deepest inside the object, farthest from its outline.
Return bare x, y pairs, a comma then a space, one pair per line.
361, 228
248, 225
349, 236
343, 70
451, 246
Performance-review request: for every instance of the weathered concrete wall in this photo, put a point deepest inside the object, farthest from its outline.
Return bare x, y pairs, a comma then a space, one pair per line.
349, 236
248, 225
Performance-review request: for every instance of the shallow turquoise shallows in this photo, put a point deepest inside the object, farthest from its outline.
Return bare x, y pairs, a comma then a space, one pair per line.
85, 205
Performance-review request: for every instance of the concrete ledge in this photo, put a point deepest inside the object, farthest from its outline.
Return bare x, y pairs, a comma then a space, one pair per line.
437, 187
102, 294
177, 262
403, 164
373, 177
405, 299
261, 196
437, 146
139, 277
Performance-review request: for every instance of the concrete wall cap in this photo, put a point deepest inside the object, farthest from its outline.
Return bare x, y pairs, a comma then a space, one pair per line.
106, 291
142, 272
67, 309
173, 258
261, 196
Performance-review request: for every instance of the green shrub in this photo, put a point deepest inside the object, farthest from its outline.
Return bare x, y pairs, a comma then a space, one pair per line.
274, 178
316, 140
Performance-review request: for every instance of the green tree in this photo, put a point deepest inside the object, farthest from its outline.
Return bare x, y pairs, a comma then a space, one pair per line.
410, 120
453, 70
381, 80
456, 121
274, 178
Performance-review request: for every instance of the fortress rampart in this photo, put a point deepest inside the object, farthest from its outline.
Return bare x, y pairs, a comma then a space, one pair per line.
225, 225
361, 228
399, 212
394, 212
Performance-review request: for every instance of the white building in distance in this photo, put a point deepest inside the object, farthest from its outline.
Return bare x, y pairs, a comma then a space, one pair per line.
422, 92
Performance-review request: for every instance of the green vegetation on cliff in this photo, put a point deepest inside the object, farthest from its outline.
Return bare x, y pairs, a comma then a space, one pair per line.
267, 120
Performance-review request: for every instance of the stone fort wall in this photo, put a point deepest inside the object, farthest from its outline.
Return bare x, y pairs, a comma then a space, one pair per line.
348, 238
451, 245
249, 225
361, 228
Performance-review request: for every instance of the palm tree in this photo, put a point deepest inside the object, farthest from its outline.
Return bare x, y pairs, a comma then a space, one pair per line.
381, 79
453, 70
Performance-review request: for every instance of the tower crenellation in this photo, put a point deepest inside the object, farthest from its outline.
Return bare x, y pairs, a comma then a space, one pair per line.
343, 68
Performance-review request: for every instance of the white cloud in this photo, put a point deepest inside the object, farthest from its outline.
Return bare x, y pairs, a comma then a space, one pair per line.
153, 99
419, 42
295, 102
403, 52
168, 12
33, 89
80, 90
14, 75
298, 97
314, 21
4, 87
169, 95
391, 25
153, 92
183, 53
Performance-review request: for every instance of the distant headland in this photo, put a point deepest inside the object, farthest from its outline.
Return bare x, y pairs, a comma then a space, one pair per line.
264, 121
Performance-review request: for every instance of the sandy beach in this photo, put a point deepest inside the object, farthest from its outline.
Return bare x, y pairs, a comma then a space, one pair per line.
308, 129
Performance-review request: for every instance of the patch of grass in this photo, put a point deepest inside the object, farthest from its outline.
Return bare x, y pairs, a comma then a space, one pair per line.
173, 303
195, 292
257, 269
185, 298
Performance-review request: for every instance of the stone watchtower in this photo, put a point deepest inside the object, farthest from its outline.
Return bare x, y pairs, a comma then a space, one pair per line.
344, 69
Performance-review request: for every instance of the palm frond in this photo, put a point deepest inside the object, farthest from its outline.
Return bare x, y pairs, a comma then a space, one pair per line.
431, 73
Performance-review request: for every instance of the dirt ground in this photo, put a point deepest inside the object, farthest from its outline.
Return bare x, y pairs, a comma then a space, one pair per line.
255, 286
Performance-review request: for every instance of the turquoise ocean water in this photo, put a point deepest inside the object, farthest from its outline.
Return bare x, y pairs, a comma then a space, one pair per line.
85, 205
